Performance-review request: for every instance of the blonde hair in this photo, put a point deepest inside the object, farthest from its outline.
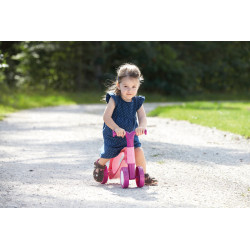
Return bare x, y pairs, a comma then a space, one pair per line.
125, 70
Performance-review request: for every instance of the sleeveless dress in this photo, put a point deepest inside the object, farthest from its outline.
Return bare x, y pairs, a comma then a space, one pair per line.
124, 115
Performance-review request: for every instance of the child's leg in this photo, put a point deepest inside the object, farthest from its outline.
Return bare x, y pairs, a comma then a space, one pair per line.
103, 161
140, 158
140, 161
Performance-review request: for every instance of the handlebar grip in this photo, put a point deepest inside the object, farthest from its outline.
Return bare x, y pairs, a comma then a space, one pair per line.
114, 133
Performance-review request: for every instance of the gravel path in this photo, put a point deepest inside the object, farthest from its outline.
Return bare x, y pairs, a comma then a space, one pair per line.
47, 155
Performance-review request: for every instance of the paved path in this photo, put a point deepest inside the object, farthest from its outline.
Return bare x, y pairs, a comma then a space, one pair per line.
47, 155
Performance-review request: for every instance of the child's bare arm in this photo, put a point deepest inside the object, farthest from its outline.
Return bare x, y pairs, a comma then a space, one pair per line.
107, 117
142, 118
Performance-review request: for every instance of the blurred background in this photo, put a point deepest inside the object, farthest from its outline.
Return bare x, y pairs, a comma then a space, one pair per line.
200, 75
169, 68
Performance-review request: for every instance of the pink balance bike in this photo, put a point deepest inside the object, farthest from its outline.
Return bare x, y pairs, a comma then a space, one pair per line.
123, 165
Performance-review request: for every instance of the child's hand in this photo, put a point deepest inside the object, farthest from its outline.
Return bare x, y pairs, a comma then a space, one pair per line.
140, 131
120, 132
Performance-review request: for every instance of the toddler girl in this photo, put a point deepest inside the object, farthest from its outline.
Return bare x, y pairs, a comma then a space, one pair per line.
120, 116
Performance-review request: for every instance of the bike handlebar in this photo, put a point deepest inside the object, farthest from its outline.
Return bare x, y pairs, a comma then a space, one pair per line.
114, 133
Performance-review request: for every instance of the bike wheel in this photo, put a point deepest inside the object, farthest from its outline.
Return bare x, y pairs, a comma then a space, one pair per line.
139, 177
106, 176
124, 177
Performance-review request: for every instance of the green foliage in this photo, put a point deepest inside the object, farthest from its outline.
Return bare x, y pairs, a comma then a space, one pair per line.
170, 68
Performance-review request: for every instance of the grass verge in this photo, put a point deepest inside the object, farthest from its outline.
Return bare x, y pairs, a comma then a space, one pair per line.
227, 116
11, 101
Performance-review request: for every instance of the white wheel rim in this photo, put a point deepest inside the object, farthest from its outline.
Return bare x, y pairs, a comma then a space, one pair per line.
122, 178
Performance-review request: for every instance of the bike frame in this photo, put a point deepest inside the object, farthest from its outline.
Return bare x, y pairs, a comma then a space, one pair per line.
128, 154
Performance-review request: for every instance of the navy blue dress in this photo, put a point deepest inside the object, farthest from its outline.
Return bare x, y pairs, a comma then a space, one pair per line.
124, 115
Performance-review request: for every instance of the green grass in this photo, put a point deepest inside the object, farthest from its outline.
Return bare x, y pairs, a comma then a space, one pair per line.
158, 97
11, 101
227, 116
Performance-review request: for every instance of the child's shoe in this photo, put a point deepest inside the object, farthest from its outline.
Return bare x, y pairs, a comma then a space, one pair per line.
149, 181
98, 172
